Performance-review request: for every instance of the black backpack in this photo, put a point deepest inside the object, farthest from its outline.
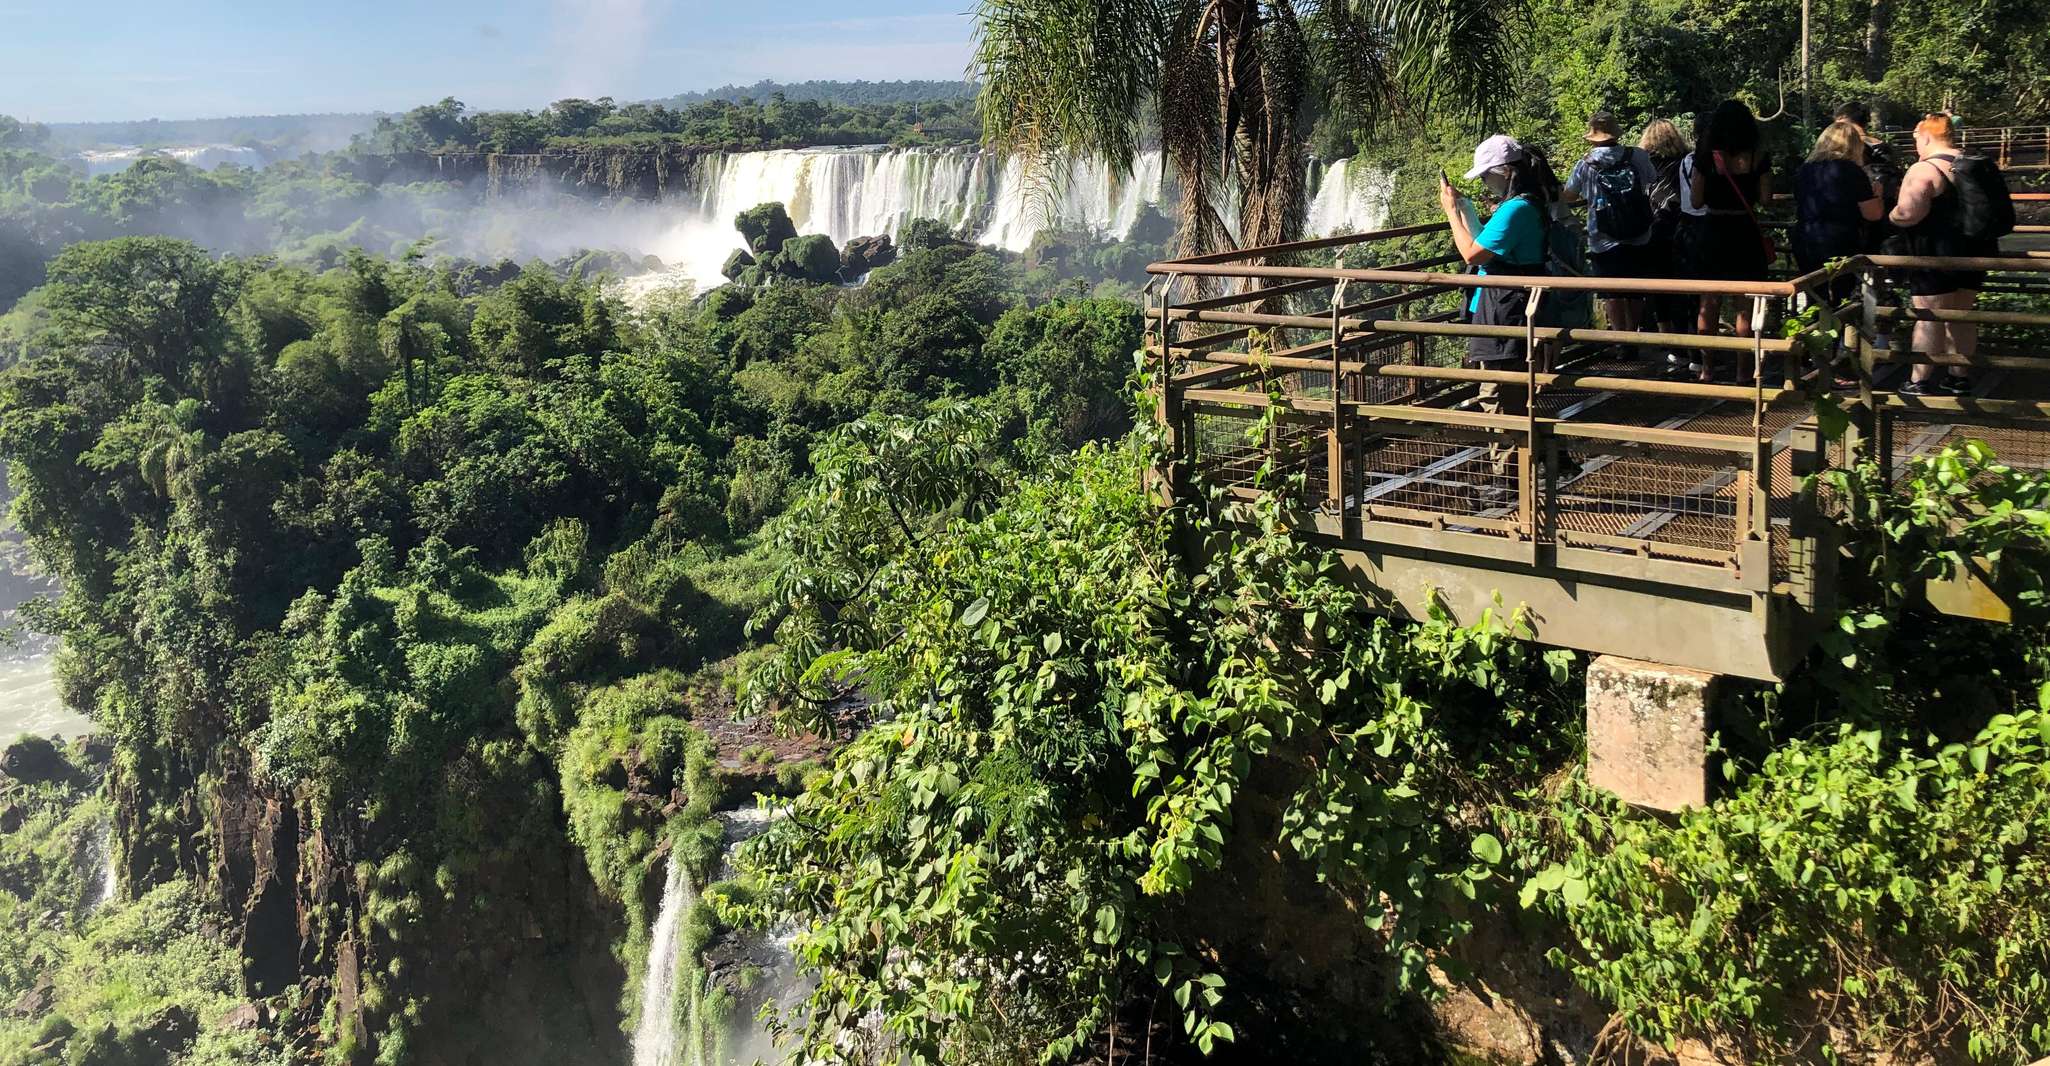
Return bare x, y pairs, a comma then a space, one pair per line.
1618, 205
1665, 192
1985, 210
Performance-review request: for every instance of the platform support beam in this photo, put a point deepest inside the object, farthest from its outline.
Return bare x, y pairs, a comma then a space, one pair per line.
1647, 732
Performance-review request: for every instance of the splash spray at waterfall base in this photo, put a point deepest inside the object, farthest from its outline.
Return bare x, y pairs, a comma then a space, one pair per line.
699, 1004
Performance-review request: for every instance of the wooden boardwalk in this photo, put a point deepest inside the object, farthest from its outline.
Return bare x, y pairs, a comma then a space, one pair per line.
1630, 512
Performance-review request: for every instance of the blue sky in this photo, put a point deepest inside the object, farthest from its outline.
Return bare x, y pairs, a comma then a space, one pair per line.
77, 60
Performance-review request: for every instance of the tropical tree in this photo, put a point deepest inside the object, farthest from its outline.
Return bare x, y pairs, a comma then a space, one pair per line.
1231, 80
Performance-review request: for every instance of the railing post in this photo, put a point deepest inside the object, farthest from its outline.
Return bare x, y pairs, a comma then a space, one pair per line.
1178, 443
1529, 504
1761, 455
1334, 476
1860, 436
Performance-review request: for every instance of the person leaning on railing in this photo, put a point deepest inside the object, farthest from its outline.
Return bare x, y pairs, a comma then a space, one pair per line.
1927, 219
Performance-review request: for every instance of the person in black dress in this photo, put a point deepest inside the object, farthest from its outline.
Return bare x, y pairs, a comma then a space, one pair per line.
1835, 202
1732, 175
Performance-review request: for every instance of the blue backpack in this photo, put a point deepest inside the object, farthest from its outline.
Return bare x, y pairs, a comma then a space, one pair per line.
1618, 204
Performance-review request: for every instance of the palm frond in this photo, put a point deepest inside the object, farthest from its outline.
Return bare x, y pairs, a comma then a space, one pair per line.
1353, 52
1455, 55
1064, 80
1192, 122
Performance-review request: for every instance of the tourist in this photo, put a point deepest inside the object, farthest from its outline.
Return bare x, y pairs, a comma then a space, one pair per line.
1687, 244
1835, 203
1510, 242
1928, 220
1732, 175
1667, 312
1882, 165
1615, 181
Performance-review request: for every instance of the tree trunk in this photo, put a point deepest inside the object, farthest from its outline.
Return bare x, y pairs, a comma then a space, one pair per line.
1878, 23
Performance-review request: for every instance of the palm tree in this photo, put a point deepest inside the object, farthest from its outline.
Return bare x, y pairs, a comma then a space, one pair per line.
1066, 79
172, 442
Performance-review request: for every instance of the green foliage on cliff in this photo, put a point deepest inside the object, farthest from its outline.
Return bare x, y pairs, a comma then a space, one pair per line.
1077, 731
1099, 715
774, 120
446, 572
1880, 875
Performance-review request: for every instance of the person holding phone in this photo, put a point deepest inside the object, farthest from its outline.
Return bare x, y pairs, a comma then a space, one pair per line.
1510, 242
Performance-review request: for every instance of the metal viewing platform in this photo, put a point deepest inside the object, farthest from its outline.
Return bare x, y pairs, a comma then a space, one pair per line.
1629, 513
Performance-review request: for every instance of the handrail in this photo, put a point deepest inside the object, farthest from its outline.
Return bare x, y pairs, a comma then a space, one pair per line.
1391, 445
1678, 286
1317, 244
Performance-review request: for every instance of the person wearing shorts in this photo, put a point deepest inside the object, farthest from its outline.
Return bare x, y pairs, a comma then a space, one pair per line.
1625, 173
1927, 222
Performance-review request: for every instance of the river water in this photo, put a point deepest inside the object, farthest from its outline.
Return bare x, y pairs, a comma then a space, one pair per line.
28, 692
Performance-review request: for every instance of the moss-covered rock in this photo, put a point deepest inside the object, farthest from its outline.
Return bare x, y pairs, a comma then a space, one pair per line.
765, 227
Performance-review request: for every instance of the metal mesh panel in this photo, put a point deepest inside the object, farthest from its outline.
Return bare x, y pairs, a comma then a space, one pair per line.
1425, 477
1925, 433
1226, 453
1656, 499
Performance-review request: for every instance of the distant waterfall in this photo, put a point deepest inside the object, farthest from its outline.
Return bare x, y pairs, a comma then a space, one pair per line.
203, 156
1088, 196
851, 192
656, 1038
99, 865
859, 192
1349, 198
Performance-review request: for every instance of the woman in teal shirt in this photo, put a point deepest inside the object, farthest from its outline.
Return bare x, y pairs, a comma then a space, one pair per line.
1511, 242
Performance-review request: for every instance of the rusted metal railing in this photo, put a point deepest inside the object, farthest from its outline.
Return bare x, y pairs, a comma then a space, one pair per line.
1342, 390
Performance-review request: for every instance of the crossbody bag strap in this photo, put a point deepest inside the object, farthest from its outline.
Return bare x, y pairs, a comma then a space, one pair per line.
1739, 190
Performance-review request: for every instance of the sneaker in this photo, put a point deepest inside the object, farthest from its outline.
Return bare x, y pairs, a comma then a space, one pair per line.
1955, 385
1921, 388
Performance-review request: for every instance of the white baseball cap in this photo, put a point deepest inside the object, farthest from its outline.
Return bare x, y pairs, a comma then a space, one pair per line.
1497, 151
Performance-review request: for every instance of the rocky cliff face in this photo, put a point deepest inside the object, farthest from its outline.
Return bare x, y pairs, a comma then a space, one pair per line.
504, 955
638, 172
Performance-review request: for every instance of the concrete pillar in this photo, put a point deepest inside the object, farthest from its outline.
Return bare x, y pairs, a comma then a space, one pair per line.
1647, 732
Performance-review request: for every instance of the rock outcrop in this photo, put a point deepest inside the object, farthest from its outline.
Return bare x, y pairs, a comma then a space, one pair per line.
765, 228
864, 254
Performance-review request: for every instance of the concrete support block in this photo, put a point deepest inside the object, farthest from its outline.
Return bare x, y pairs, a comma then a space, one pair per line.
1647, 732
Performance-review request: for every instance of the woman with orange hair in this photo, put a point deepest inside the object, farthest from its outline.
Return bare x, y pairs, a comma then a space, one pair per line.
1927, 218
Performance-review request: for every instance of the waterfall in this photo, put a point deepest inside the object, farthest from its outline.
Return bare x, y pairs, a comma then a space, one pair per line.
655, 1039
100, 860
872, 191
1088, 195
204, 156
699, 1010
1349, 199
109, 874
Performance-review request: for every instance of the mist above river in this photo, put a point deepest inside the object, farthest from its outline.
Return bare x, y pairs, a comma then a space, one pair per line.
530, 207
